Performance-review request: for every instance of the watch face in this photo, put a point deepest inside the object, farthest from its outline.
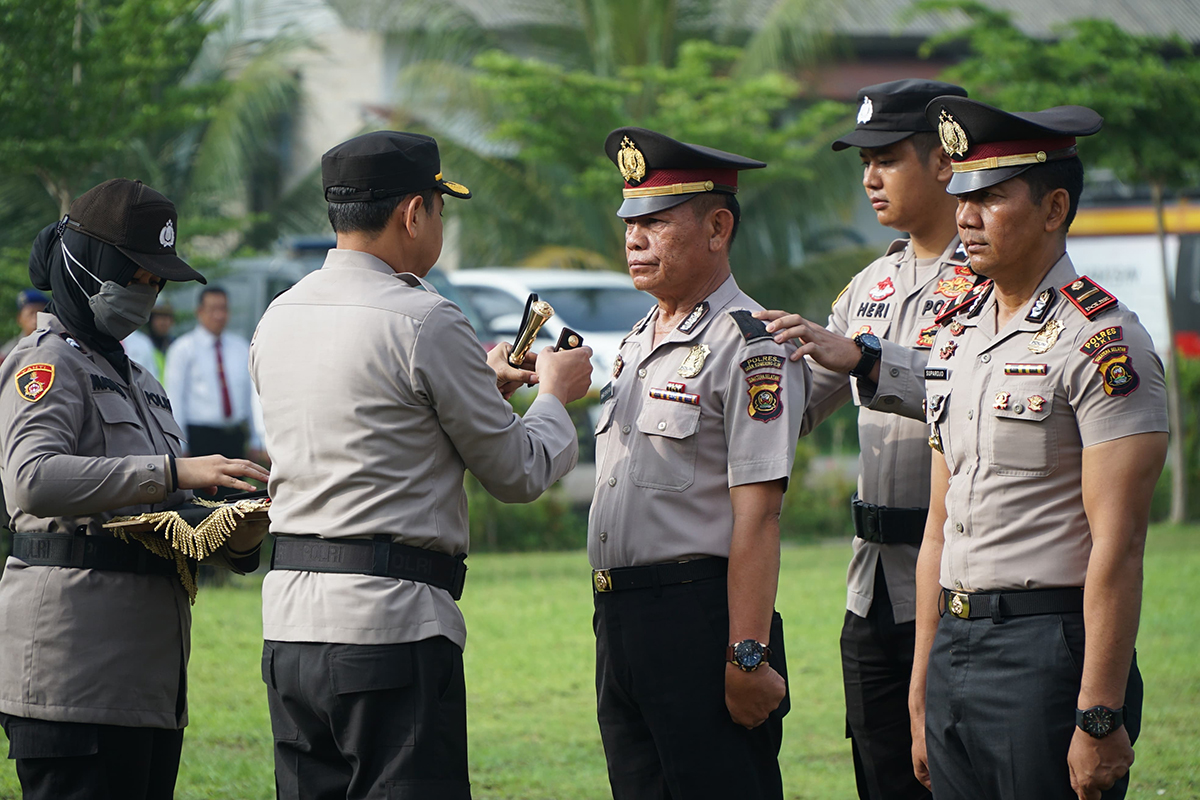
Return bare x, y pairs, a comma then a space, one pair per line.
748, 654
1098, 722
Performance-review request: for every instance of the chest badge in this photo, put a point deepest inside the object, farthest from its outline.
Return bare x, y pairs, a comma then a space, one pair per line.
948, 350
618, 365
883, 290
694, 361
1036, 403
1045, 338
957, 328
34, 381
1000, 401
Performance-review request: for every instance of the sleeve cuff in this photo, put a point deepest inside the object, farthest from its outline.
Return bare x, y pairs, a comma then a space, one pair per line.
901, 386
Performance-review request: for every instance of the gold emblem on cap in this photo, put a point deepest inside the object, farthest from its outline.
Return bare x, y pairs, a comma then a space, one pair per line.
631, 162
954, 138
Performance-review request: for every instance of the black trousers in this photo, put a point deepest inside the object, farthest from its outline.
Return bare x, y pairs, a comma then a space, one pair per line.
79, 761
660, 691
877, 657
1000, 707
351, 722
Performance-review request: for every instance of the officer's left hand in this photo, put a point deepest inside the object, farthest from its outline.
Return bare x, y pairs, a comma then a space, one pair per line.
1096, 764
751, 696
833, 352
508, 378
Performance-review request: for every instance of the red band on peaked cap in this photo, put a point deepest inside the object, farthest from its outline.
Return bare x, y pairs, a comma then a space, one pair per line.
1019, 147
669, 177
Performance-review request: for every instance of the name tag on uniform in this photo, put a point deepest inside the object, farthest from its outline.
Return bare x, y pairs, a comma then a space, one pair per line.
937, 374
606, 393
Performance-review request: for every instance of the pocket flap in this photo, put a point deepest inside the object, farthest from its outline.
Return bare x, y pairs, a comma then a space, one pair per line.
605, 416
167, 422
115, 409
668, 418
371, 669
1023, 402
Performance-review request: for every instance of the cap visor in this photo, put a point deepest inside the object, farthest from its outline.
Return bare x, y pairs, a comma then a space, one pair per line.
165, 265
964, 182
864, 137
454, 189
641, 206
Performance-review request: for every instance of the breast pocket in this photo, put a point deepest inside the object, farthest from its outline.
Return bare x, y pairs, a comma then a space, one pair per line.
123, 432
664, 456
1024, 442
166, 421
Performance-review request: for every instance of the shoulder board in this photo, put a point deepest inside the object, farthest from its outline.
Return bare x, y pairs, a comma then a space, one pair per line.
896, 246
977, 293
1086, 295
752, 329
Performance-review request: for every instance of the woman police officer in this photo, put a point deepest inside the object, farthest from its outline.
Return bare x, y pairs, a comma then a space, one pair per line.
94, 631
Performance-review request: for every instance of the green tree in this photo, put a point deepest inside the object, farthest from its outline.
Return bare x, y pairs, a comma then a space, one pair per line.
1144, 87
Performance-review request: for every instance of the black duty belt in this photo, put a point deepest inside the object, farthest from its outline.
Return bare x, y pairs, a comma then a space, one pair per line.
999, 605
379, 556
654, 575
885, 525
88, 552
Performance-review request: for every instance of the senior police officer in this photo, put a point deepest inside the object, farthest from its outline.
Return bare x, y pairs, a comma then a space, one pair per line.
694, 445
1050, 414
95, 631
376, 396
880, 333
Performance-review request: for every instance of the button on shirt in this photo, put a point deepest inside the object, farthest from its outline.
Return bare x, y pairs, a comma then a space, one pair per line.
376, 396
896, 298
193, 381
665, 463
1013, 424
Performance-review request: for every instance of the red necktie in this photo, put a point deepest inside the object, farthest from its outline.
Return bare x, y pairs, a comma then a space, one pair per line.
226, 406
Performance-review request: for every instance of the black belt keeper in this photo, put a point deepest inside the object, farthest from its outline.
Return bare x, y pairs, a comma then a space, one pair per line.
884, 525
998, 606
88, 552
656, 576
378, 556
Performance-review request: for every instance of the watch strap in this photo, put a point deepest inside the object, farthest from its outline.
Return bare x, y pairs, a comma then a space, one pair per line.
1118, 719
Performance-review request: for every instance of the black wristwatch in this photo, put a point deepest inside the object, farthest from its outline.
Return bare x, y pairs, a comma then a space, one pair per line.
747, 655
1099, 721
872, 351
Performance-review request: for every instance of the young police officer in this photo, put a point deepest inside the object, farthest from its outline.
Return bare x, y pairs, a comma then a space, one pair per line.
1049, 415
880, 332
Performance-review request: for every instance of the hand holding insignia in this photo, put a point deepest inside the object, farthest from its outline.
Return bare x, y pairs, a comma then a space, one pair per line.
508, 377
566, 374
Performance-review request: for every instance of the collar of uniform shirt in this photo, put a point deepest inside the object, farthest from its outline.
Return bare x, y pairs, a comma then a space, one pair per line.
717, 301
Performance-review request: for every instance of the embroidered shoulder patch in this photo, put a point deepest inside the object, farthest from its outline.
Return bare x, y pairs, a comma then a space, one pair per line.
1116, 368
762, 362
34, 381
1100, 339
766, 397
752, 329
1087, 295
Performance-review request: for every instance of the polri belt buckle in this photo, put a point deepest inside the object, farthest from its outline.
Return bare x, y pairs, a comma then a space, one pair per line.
601, 580
960, 605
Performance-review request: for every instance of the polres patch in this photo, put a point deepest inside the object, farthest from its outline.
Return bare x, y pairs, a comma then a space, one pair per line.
34, 381
766, 398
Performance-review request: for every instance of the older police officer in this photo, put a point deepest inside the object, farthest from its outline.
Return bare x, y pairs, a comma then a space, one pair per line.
694, 445
1050, 415
376, 396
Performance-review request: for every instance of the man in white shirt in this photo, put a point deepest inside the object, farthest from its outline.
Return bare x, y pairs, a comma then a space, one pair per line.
208, 381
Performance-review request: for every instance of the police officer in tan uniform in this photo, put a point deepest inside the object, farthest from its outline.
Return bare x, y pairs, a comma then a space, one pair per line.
1049, 414
376, 396
94, 631
880, 332
694, 445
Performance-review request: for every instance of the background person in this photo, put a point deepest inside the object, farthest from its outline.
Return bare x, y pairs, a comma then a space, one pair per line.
30, 303
1050, 414
376, 397
94, 638
879, 334
149, 348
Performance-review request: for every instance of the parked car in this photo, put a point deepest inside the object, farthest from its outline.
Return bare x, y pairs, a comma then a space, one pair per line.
601, 306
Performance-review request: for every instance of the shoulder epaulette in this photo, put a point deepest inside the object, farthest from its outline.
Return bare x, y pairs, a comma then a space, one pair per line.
752, 329
1087, 295
970, 302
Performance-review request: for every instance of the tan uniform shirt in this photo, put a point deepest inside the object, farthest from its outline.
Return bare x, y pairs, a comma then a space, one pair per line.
896, 298
1013, 424
376, 396
82, 645
676, 431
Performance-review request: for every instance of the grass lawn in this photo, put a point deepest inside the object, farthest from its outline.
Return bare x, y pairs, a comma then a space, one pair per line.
532, 707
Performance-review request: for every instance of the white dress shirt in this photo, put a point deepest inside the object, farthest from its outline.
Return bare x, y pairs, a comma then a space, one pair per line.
195, 389
141, 349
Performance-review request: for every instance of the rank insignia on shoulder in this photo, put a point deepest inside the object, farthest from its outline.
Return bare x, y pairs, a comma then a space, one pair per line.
766, 401
34, 381
926, 336
766, 361
971, 302
937, 374
1102, 338
693, 319
675, 397
752, 329
1042, 306
1087, 295
693, 362
1025, 369
1046, 336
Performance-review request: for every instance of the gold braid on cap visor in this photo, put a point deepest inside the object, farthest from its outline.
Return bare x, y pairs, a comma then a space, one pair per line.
996, 162
678, 188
